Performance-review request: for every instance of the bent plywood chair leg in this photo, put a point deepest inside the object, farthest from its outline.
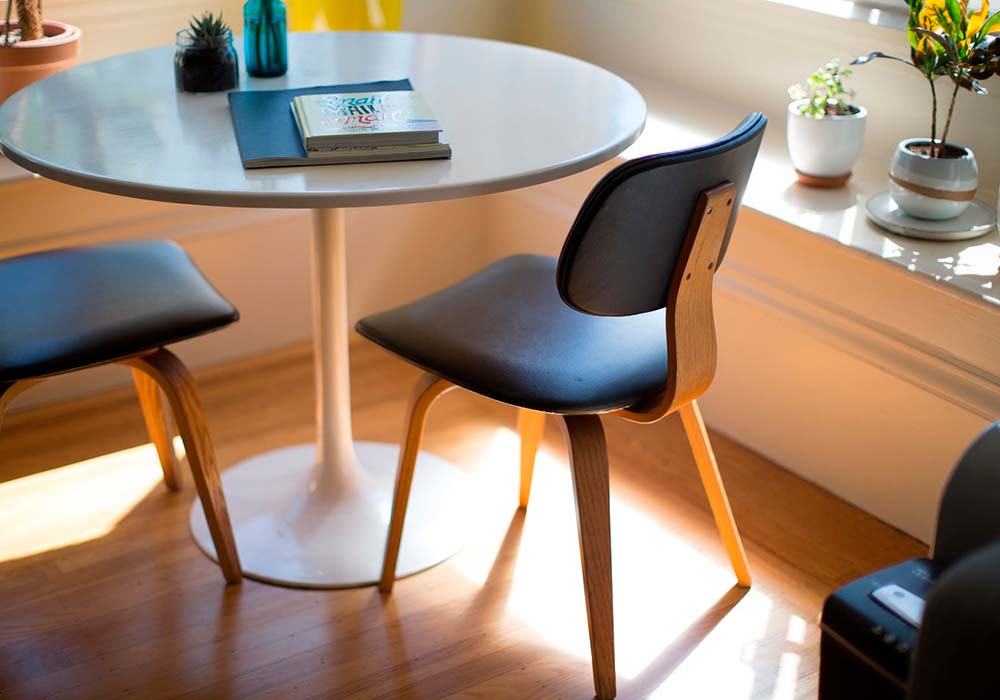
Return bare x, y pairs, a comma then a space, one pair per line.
588, 455
531, 427
428, 388
152, 412
711, 479
178, 385
10, 390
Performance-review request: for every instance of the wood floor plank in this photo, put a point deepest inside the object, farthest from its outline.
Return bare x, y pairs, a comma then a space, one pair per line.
140, 612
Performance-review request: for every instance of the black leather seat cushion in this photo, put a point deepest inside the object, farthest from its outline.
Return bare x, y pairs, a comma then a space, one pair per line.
506, 334
71, 308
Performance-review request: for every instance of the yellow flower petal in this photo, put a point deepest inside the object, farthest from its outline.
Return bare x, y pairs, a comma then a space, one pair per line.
977, 19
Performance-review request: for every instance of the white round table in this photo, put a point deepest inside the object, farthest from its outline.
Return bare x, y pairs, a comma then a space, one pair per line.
317, 515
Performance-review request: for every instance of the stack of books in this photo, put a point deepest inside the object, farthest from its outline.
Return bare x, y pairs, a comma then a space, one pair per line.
363, 127
357, 123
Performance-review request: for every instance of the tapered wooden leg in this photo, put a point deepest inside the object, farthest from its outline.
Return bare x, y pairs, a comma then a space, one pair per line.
708, 468
428, 388
152, 411
531, 427
178, 386
589, 465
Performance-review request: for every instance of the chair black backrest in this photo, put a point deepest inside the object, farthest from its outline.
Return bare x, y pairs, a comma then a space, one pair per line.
969, 516
621, 251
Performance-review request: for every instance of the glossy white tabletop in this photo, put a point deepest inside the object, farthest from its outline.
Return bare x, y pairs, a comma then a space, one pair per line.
514, 115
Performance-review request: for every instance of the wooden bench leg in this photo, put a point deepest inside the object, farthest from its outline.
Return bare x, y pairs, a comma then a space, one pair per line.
531, 427
589, 465
711, 479
148, 392
428, 388
178, 386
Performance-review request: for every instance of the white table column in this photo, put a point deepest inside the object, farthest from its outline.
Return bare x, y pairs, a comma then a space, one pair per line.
317, 515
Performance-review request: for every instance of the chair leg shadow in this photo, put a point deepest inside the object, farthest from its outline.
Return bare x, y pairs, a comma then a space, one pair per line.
660, 668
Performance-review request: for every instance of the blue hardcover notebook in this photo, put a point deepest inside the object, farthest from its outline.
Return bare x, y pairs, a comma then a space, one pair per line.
265, 126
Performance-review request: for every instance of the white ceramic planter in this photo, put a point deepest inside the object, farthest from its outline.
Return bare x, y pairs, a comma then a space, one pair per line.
825, 147
932, 188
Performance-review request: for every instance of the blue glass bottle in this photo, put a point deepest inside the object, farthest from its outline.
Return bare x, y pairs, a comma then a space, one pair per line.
265, 38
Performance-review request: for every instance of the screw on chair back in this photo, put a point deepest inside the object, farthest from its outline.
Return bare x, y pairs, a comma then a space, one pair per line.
651, 235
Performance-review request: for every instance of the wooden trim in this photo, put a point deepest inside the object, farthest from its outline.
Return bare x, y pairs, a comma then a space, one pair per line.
588, 459
426, 391
531, 428
691, 344
933, 192
718, 501
148, 393
965, 382
178, 385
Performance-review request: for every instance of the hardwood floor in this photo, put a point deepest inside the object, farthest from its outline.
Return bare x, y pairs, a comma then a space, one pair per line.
103, 594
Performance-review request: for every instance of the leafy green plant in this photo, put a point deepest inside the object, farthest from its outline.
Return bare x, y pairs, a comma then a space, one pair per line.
824, 92
948, 39
207, 31
29, 22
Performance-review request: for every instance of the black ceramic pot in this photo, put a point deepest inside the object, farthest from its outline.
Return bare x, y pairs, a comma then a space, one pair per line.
201, 68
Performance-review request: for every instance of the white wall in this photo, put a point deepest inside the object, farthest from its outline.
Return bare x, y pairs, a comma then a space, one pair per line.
492, 19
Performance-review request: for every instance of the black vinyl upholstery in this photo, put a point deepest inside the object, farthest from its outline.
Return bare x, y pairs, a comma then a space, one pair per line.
958, 646
621, 251
506, 334
869, 652
565, 336
969, 516
71, 308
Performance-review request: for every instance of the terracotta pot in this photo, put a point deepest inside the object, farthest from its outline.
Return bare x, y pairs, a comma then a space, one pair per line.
27, 61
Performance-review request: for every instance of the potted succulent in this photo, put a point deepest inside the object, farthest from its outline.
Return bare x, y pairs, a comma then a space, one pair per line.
32, 48
205, 60
825, 132
931, 178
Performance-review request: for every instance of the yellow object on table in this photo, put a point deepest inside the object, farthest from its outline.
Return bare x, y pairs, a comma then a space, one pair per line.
308, 15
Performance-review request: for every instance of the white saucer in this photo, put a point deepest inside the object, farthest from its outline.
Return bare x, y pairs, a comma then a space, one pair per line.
979, 219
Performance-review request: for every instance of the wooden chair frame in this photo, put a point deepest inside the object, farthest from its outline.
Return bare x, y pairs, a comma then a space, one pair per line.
691, 348
153, 372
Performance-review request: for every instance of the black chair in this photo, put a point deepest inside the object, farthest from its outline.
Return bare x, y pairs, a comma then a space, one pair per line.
587, 335
869, 653
73, 308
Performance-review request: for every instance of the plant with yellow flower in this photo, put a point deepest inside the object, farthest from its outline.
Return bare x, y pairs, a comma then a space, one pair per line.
948, 38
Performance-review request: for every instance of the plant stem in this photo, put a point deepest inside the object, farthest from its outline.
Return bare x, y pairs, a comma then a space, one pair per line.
933, 116
951, 111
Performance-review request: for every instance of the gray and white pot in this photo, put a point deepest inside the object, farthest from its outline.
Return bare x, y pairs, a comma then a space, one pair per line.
932, 188
825, 148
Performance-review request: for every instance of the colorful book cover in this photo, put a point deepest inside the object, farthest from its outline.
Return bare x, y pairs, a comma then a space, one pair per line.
385, 117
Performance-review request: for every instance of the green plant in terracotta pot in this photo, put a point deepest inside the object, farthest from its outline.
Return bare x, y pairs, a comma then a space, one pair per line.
31, 47
932, 178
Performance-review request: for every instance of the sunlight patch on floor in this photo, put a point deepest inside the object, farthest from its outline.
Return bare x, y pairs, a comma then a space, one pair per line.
75, 503
664, 587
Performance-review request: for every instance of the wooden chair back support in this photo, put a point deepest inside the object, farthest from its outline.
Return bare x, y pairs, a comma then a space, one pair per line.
651, 235
690, 321
626, 243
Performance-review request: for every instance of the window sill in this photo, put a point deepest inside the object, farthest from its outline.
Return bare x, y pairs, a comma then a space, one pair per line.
846, 9
677, 120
